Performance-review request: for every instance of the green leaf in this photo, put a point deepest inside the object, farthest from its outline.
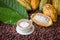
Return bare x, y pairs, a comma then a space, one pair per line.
9, 16
13, 4
2, 5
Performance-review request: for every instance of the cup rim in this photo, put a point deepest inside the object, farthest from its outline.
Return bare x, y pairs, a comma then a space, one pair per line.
24, 20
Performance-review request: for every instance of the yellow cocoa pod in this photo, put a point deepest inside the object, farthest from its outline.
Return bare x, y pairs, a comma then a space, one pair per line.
28, 1
41, 19
49, 10
24, 4
35, 4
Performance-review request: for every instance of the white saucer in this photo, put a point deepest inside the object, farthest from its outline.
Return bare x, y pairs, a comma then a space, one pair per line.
25, 33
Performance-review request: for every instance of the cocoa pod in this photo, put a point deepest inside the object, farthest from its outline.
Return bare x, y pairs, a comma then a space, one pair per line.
35, 4
41, 19
24, 4
49, 10
42, 3
28, 1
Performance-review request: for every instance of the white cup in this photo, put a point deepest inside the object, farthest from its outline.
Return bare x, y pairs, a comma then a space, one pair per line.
24, 27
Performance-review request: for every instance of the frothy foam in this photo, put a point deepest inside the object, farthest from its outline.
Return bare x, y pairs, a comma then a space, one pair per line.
24, 24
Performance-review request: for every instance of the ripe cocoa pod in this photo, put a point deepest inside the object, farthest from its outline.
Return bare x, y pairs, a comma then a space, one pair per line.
28, 1
24, 4
35, 4
41, 19
49, 10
